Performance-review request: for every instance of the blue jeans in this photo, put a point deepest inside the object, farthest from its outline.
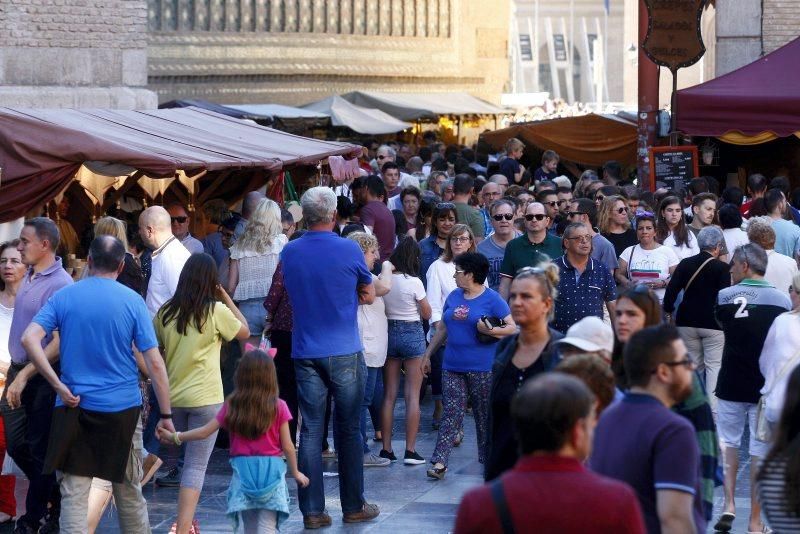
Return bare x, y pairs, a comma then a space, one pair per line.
371, 391
345, 377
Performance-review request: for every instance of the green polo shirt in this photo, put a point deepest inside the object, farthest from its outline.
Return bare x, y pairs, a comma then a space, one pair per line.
521, 252
471, 217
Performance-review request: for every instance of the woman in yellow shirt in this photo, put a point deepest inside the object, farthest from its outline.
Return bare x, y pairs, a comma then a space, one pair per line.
190, 328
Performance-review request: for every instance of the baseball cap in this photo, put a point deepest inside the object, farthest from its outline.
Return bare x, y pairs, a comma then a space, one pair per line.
590, 334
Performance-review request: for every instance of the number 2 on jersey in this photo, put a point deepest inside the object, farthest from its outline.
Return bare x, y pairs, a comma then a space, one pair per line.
741, 312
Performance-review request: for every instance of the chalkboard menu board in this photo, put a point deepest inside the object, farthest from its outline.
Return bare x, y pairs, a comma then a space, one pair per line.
673, 165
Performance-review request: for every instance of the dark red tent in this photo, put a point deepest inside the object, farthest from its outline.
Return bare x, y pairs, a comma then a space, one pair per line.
763, 96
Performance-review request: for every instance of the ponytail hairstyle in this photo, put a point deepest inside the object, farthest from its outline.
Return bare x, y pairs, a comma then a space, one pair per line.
253, 405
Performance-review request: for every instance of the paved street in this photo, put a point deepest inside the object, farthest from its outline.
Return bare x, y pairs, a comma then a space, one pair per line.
409, 501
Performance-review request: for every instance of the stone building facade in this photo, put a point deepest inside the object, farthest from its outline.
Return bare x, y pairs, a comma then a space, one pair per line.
298, 51
74, 53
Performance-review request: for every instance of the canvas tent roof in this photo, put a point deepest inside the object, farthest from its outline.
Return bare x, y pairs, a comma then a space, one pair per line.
587, 139
230, 111
42, 149
280, 111
359, 119
423, 106
760, 99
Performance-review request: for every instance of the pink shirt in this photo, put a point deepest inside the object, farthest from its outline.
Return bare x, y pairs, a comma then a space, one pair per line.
267, 445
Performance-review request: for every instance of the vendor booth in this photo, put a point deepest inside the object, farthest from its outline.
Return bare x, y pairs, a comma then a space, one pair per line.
113, 152
360, 119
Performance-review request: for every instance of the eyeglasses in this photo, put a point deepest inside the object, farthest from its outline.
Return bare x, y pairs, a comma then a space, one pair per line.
501, 216
686, 362
580, 238
575, 213
445, 206
180, 220
622, 210
537, 216
462, 239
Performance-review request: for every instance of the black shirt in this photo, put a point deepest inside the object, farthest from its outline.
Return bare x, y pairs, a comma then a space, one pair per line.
622, 241
697, 307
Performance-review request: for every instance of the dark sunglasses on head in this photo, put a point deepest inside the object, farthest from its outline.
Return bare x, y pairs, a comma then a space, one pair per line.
501, 216
445, 206
537, 216
179, 219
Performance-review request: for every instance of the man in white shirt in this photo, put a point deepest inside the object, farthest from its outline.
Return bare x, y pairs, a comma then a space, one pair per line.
179, 218
169, 256
780, 269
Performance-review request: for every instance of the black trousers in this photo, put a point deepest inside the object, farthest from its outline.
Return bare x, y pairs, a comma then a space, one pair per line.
284, 367
27, 434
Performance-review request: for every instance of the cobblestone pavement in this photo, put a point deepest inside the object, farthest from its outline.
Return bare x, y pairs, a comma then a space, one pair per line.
409, 501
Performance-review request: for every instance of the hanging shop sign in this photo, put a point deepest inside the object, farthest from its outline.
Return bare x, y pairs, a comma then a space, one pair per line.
673, 32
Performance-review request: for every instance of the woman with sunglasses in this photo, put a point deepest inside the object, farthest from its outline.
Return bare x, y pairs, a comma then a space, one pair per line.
467, 363
649, 262
614, 224
637, 308
519, 357
672, 231
432, 247
441, 282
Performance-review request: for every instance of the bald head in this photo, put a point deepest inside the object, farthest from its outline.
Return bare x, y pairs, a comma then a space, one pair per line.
250, 202
155, 226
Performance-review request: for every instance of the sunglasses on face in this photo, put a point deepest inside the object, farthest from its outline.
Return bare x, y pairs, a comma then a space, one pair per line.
552, 204
599, 198
537, 216
622, 210
501, 216
180, 220
382, 157
575, 213
580, 238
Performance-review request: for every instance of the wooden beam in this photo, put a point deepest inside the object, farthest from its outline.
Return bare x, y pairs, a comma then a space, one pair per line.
206, 194
114, 196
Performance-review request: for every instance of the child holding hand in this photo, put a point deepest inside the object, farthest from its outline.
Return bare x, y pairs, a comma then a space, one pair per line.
257, 421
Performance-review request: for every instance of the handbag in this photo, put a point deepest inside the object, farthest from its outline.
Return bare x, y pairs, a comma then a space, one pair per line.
763, 431
493, 322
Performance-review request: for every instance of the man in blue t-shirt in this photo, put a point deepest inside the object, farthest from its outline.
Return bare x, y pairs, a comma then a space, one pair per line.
641, 442
326, 279
96, 429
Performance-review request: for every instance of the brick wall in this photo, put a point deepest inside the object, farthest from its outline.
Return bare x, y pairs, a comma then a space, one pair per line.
106, 24
781, 23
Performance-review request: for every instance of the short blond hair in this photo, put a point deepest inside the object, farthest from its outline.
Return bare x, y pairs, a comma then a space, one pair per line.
513, 144
364, 240
113, 227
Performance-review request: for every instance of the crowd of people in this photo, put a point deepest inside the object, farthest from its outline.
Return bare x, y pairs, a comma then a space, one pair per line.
611, 344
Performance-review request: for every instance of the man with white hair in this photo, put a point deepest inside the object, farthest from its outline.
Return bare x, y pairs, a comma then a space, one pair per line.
780, 269
501, 181
328, 355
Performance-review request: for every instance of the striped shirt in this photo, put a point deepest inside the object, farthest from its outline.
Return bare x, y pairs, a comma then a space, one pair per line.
771, 488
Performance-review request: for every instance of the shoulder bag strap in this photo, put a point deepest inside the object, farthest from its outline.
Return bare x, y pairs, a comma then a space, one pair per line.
630, 261
499, 499
685, 289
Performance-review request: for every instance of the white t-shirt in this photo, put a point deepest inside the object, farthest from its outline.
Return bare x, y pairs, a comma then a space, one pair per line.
168, 263
374, 330
6, 315
649, 265
780, 348
780, 270
401, 301
691, 248
734, 238
441, 282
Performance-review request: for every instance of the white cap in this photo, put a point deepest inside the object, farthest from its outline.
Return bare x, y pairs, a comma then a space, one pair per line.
562, 181
590, 334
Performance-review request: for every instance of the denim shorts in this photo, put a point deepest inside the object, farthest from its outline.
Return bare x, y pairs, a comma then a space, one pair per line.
253, 310
406, 339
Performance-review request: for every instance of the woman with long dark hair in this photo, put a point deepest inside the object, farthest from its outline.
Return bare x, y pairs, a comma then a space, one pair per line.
406, 307
443, 220
778, 481
671, 229
649, 263
190, 328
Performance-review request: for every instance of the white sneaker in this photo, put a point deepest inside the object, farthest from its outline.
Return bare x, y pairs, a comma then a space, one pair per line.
372, 460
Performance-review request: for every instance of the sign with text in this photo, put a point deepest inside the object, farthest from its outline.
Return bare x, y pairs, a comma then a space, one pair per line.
673, 165
673, 32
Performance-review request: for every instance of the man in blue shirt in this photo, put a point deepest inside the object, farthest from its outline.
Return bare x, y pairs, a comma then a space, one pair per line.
326, 279
584, 283
96, 429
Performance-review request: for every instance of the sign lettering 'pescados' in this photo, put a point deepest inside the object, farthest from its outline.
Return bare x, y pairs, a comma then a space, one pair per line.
673, 32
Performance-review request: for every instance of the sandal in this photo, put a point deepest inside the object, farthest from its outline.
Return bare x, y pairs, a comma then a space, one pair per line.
459, 438
725, 523
437, 472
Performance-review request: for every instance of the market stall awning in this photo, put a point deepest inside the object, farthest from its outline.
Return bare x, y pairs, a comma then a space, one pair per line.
360, 119
230, 111
423, 106
587, 139
41, 150
754, 104
279, 111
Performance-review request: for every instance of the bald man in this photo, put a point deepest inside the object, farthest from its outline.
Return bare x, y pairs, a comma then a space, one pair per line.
169, 256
